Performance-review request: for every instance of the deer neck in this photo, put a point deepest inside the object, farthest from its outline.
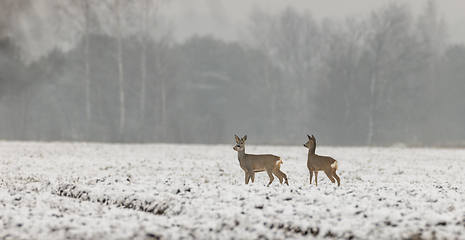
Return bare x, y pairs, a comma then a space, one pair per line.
241, 154
311, 150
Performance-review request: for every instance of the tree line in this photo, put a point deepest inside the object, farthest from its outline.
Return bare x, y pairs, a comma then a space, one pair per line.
111, 71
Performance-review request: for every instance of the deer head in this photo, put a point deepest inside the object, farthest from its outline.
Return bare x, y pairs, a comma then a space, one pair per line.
240, 143
311, 142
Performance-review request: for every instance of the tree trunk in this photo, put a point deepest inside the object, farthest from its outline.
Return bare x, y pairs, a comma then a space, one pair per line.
372, 107
120, 70
87, 69
163, 108
144, 70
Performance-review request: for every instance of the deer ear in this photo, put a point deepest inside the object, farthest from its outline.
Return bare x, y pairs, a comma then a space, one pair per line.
313, 137
309, 138
244, 138
237, 139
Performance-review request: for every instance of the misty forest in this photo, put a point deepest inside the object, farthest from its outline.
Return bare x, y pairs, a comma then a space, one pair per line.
111, 71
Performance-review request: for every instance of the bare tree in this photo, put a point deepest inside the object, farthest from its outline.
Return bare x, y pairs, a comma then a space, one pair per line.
431, 30
117, 19
148, 23
164, 83
341, 88
291, 41
119, 38
432, 33
82, 13
391, 47
297, 45
86, 10
261, 28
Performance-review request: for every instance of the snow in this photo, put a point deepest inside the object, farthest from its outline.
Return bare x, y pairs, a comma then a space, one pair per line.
169, 191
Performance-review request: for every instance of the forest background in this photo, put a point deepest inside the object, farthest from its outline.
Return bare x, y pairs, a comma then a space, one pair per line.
111, 71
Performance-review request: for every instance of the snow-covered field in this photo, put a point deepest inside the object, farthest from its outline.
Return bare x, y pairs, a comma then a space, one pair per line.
168, 191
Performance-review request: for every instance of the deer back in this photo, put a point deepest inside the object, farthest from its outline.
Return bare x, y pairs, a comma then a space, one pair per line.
320, 163
260, 162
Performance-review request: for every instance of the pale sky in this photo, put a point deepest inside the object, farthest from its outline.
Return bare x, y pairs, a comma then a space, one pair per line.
227, 19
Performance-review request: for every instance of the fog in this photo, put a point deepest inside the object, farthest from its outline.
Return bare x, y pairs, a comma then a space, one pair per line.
145, 71
227, 19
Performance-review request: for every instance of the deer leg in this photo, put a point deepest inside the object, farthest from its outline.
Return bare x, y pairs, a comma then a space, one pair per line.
247, 176
316, 178
252, 175
285, 176
329, 175
271, 177
311, 176
278, 174
333, 172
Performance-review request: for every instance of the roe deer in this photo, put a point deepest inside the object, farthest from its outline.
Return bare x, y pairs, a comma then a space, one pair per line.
258, 163
317, 163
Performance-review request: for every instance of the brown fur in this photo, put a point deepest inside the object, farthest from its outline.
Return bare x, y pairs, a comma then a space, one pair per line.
316, 163
258, 163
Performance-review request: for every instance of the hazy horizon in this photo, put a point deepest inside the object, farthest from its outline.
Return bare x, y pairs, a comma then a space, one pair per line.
349, 72
228, 20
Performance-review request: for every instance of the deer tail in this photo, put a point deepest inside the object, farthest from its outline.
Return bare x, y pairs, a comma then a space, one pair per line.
334, 165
